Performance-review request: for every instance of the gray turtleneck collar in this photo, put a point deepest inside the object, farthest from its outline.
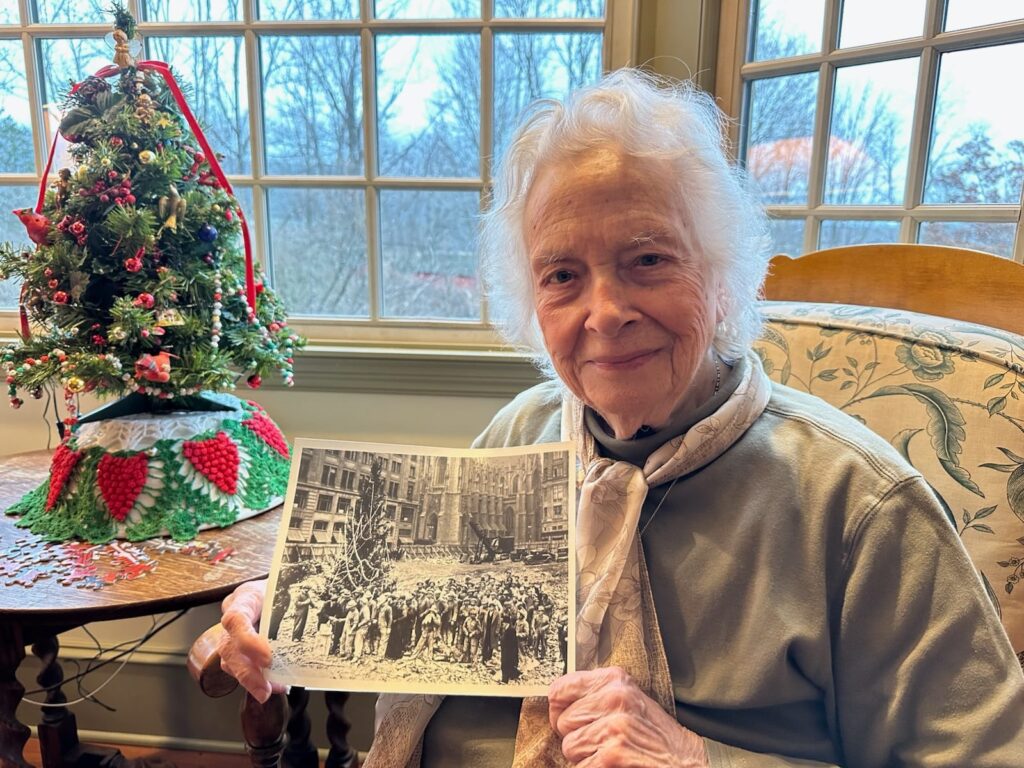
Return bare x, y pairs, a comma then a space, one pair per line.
636, 450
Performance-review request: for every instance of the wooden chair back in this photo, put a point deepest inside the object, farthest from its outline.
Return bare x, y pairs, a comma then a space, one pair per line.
931, 279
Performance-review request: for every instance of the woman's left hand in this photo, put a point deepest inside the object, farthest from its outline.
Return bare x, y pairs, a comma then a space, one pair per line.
604, 719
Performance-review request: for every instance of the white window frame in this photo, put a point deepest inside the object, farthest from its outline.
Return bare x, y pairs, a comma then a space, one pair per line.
338, 345
733, 72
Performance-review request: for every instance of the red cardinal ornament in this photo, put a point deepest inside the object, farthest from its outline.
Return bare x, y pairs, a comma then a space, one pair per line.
38, 226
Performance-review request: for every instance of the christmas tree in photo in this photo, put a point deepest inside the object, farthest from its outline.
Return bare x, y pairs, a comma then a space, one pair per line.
141, 285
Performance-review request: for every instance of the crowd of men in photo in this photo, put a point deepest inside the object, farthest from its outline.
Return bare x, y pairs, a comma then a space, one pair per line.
486, 620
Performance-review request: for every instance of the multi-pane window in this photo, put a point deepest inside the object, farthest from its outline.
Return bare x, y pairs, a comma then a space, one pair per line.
328, 475
348, 479
876, 121
324, 502
301, 499
358, 134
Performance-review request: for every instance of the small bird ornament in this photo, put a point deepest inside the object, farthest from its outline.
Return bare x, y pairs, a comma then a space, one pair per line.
171, 207
38, 226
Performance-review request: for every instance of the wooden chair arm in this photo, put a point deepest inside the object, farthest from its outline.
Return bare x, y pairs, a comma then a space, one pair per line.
204, 665
264, 725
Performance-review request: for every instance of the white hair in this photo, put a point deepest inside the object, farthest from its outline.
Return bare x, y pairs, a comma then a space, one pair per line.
672, 123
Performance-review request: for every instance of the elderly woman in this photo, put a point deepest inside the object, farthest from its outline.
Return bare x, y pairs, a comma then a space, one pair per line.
762, 580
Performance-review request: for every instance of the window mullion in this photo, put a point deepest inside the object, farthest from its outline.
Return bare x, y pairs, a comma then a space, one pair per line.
34, 89
822, 125
368, 49
920, 136
616, 51
486, 115
259, 227
1018, 239
819, 152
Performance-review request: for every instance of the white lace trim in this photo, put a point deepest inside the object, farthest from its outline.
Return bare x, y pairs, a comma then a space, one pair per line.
141, 431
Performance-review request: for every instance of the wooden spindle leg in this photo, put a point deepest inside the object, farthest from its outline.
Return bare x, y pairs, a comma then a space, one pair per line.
263, 727
299, 751
58, 735
13, 734
341, 755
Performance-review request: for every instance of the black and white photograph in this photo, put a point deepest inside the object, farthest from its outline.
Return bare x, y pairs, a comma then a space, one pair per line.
424, 570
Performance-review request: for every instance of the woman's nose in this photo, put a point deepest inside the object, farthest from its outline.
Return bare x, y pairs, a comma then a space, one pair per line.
610, 307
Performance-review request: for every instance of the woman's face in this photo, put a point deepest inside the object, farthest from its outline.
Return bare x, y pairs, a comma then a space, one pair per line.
627, 309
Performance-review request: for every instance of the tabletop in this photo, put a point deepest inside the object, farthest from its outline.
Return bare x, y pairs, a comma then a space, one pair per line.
74, 583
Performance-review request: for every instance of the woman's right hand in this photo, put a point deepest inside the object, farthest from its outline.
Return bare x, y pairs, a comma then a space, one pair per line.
243, 653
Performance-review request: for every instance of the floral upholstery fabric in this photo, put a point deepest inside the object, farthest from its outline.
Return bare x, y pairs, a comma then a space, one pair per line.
948, 395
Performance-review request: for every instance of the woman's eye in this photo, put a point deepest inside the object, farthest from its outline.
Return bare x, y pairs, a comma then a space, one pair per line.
561, 276
649, 260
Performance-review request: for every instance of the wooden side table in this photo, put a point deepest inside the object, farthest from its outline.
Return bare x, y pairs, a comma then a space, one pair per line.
34, 609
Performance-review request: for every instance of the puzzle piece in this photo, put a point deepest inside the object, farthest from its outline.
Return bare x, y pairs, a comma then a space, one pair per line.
223, 554
135, 571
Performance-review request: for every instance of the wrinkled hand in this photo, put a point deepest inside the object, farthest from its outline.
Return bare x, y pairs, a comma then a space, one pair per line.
604, 719
243, 653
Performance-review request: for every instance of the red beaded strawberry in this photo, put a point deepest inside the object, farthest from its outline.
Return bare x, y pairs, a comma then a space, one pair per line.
61, 465
216, 459
121, 479
268, 432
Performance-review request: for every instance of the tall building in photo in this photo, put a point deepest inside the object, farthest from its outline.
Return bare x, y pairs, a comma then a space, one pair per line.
520, 496
554, 482
327, 489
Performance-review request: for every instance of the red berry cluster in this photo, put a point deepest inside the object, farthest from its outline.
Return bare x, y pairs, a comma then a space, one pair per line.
197, 160
115, 187
216, 459
61, 466
74, 227
268, 432
205, 176
121, 479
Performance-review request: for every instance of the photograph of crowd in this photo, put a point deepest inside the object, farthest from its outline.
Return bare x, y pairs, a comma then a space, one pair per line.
411, 569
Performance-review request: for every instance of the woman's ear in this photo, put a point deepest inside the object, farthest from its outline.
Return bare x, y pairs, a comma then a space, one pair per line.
721, 303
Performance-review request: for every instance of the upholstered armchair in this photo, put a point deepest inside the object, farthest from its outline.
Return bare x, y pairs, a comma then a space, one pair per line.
947, 393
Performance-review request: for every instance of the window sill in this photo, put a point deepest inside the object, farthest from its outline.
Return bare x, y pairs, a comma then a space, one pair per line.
412, 371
